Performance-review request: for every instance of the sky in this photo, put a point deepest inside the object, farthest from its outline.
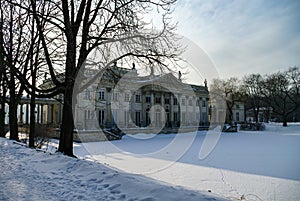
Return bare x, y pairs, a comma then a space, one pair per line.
241, 36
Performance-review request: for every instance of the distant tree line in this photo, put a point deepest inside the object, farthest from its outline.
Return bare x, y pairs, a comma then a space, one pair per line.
278, 93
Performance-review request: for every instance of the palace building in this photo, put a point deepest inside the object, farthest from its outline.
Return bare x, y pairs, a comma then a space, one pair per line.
121, 98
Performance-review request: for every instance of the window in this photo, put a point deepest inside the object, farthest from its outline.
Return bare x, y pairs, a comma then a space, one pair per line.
237, 116
157, 99
148, 99
197, 102
101, 117
175, 101
237, 106
87, 95
126, 97
175, 116
203, 103
183, 116
115, 96
191, 116
190, 102
183, 101
87, 114
204, 116
101, 95
197, 116
115, 116
138, 98
158, 118
126, 117
138, 118
148, 120
167, 101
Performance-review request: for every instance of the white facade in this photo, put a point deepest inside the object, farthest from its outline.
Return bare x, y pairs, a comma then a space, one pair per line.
138, 102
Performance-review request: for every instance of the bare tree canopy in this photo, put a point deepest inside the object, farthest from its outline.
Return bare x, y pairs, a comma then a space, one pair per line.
281, 92
70, 31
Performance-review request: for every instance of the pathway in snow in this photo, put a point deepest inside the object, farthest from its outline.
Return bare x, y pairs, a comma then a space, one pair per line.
26, 174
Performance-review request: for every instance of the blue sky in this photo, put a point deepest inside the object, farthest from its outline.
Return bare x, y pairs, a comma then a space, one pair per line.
243, 36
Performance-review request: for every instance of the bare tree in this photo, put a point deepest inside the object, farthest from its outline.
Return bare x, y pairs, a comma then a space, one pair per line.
293, 74
252, 85
19, 48
2, 81
12, 30
281, 92
117, 28
231, 92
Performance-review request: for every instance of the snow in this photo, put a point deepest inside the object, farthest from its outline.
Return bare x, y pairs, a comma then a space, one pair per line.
27, 174
255, 165
247, 165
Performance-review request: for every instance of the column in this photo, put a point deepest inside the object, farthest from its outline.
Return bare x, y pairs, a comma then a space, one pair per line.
52, 113
38, 114
48, 114
171, 109
21, 114
163, 113
27, 114
42, 115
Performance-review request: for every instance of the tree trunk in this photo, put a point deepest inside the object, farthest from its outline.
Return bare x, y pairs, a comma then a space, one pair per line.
284, 121
67, 128
32, 121
13, 119
2, 71
2, 111
256, 118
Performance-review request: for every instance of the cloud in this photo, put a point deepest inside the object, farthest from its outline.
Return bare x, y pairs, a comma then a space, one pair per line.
243, 36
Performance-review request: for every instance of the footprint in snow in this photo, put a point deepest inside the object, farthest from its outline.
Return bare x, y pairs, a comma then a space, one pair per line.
122, 197
105, 185
114, 186
148, 199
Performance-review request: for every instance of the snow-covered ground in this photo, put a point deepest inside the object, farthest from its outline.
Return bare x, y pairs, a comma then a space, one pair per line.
30, 175
249, 165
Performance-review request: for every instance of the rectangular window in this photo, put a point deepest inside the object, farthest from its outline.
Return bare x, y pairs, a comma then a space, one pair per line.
148, 99
167, 101
190, 102
183, 101
126, 117
138, 98
115, 116
126, 97
197, 116
237, 115
157, 99
175, 101
101, 117
191, 117
101, 95
204, 116
115, 96
87, 114
175, 116
203, 103
197, 102
87, 95
183, 116
138, 118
